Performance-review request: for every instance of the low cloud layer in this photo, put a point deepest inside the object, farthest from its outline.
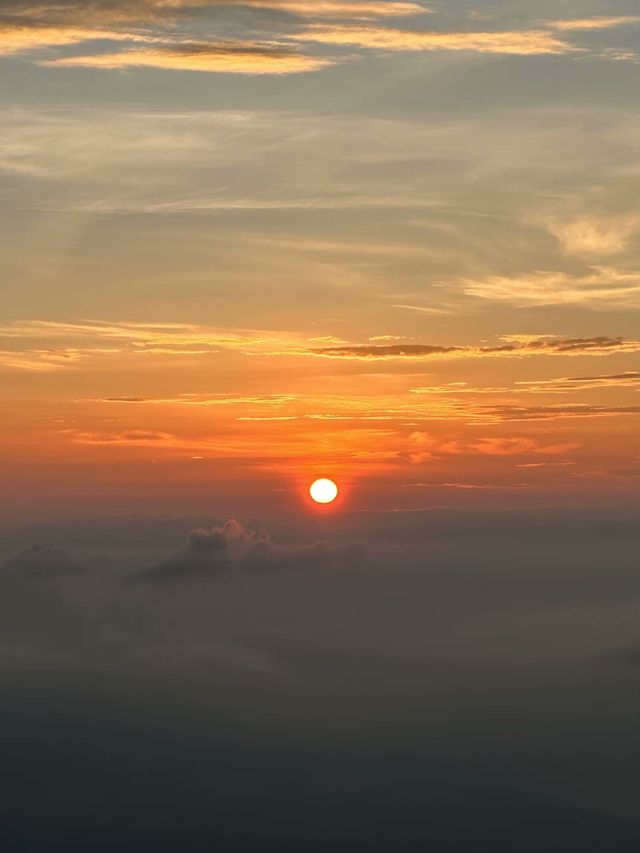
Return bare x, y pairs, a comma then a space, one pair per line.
42, 562
457, 653
233, 547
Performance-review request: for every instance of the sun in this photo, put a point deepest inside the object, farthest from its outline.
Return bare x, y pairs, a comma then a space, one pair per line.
323, 491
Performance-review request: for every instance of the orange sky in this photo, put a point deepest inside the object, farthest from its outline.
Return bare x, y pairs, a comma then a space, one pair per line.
192, 416
247, 244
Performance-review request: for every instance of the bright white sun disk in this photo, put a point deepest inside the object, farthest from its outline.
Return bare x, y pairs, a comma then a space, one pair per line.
323, 491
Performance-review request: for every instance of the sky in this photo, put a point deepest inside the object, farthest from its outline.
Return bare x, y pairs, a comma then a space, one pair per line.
245, 243
249, 244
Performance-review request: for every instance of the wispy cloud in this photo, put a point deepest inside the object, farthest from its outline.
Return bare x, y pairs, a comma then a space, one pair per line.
471, 486
42, 345
48, 360
18, 39
492, 446
601, 288
52, 344
564, 385
339, 9
518, 42
628, 379
174, 28
220, 58
548, 346
558, 412
145, 337
31, 28
28, 12
591, 235
598, 23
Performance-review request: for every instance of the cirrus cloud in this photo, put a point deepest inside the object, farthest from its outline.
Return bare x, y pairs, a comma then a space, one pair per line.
519, 42
216, 57
602, 288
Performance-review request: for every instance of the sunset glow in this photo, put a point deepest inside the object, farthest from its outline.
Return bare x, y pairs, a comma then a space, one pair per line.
319, 426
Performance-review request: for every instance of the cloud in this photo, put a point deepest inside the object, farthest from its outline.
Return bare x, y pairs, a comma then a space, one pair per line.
390, 351
558, 412
600, 345
175, 26
19, 39
28, 361
131, 438
140, 339
130, 338
629, 376
518, 447
43, 561
430, 447
48, 360
603, 288
594, 235
207, 554
34, 14
520, 42
339, 9
561, 385
629, 379
234, 547
630, 656
273, 678
459, 388
598, 23
472, 486
220, 58
390, 163
241, 57
26, 28
146, 337
127, 400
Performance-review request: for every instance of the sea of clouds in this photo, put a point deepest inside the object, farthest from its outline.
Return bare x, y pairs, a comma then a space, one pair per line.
460, 681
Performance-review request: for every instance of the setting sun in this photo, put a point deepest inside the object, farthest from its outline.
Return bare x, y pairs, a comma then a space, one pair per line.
323, 491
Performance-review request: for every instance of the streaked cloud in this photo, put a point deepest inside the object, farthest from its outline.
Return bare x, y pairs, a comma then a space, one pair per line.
518, 42
149, 337
564, 385
559, 412
219, 58
169, 35
49, 360
601, 288
597, 23
493, 446
51, 346
158, 11
547, 346
471, 486
339, 9
18, 39
628, 379
29, 28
